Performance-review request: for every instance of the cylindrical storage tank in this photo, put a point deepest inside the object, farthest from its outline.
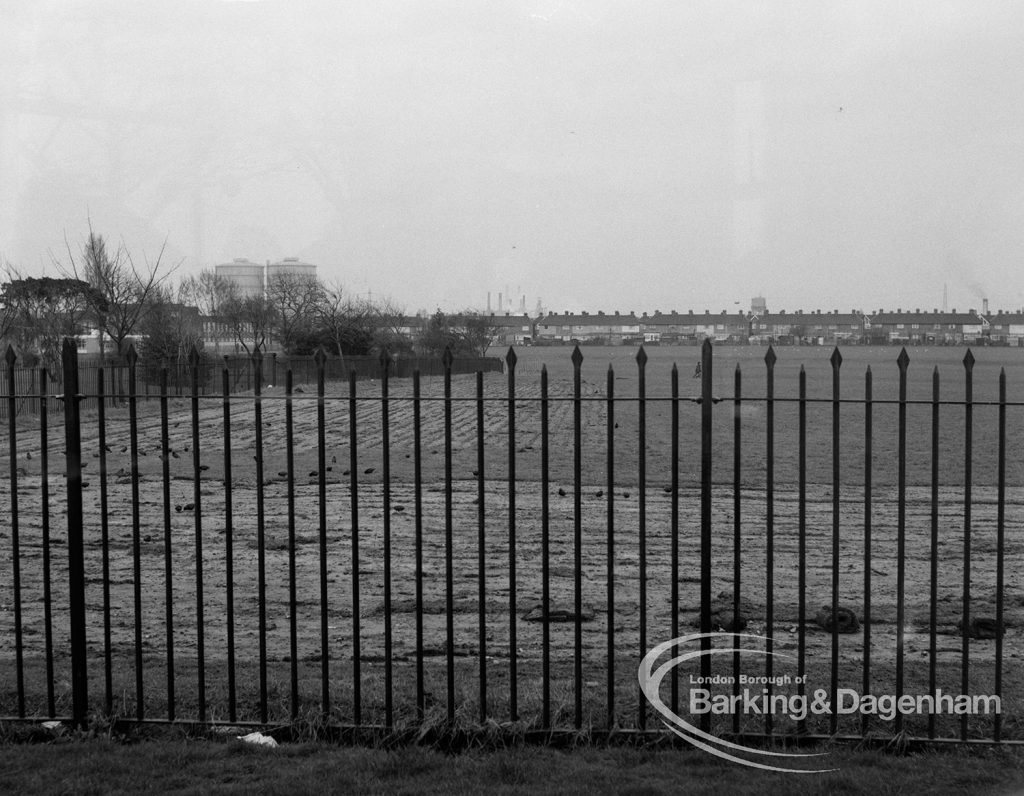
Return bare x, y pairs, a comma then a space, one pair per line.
290, 266
246, 276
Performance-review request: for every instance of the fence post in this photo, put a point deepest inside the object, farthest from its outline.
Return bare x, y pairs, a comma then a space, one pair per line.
76, 557
707, 400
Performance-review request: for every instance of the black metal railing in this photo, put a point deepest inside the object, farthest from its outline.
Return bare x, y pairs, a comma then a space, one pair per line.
406, 553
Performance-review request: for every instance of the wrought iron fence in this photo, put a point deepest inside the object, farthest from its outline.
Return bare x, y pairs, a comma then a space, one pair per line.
464, 550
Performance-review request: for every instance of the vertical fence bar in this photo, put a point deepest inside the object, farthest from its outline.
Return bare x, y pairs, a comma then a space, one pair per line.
769, 359
76, 541
706, 441
674, 529
133, 422
44, 470
641, 363
901, 528
933, 598
449, 575
737, 525
577, 516
357, 697
866, 683
968, 478
293, 619
197, 498
513, 681
545, 550
417, 436
320, 358
229, 553
261, 535
12, 429
165, 465
610, 463
481, 544
385, 424
801, 641
837, 361
101, 422
1000, 549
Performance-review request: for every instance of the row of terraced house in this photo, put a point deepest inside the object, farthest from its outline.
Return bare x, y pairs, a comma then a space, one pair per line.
881, 327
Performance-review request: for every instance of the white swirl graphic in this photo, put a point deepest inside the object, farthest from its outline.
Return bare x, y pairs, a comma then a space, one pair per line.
650, 684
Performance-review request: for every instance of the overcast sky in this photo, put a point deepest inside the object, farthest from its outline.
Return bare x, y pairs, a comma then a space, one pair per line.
590, 155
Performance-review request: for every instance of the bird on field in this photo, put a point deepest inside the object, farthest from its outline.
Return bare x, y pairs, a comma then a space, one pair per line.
368, 470
175, 455
599, 493
561, 492
28, 454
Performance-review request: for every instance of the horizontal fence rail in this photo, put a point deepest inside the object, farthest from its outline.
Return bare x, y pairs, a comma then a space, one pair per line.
408, 553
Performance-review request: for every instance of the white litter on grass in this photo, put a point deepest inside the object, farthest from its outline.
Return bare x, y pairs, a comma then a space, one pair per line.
258, 738
53, 725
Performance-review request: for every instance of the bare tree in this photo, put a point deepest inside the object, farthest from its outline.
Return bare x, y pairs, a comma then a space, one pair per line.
343, 320
251, 320
389, 326
120, 290
294, 300
170, 329
206, 290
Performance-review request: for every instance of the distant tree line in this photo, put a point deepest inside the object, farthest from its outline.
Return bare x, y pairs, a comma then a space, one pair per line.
102, 287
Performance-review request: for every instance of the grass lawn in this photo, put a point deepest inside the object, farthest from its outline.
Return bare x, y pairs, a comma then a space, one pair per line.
169, 762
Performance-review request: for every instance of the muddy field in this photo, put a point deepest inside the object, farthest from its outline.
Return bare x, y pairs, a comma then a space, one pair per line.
176, 497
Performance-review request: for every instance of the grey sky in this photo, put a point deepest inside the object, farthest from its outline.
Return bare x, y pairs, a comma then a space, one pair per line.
596, 155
